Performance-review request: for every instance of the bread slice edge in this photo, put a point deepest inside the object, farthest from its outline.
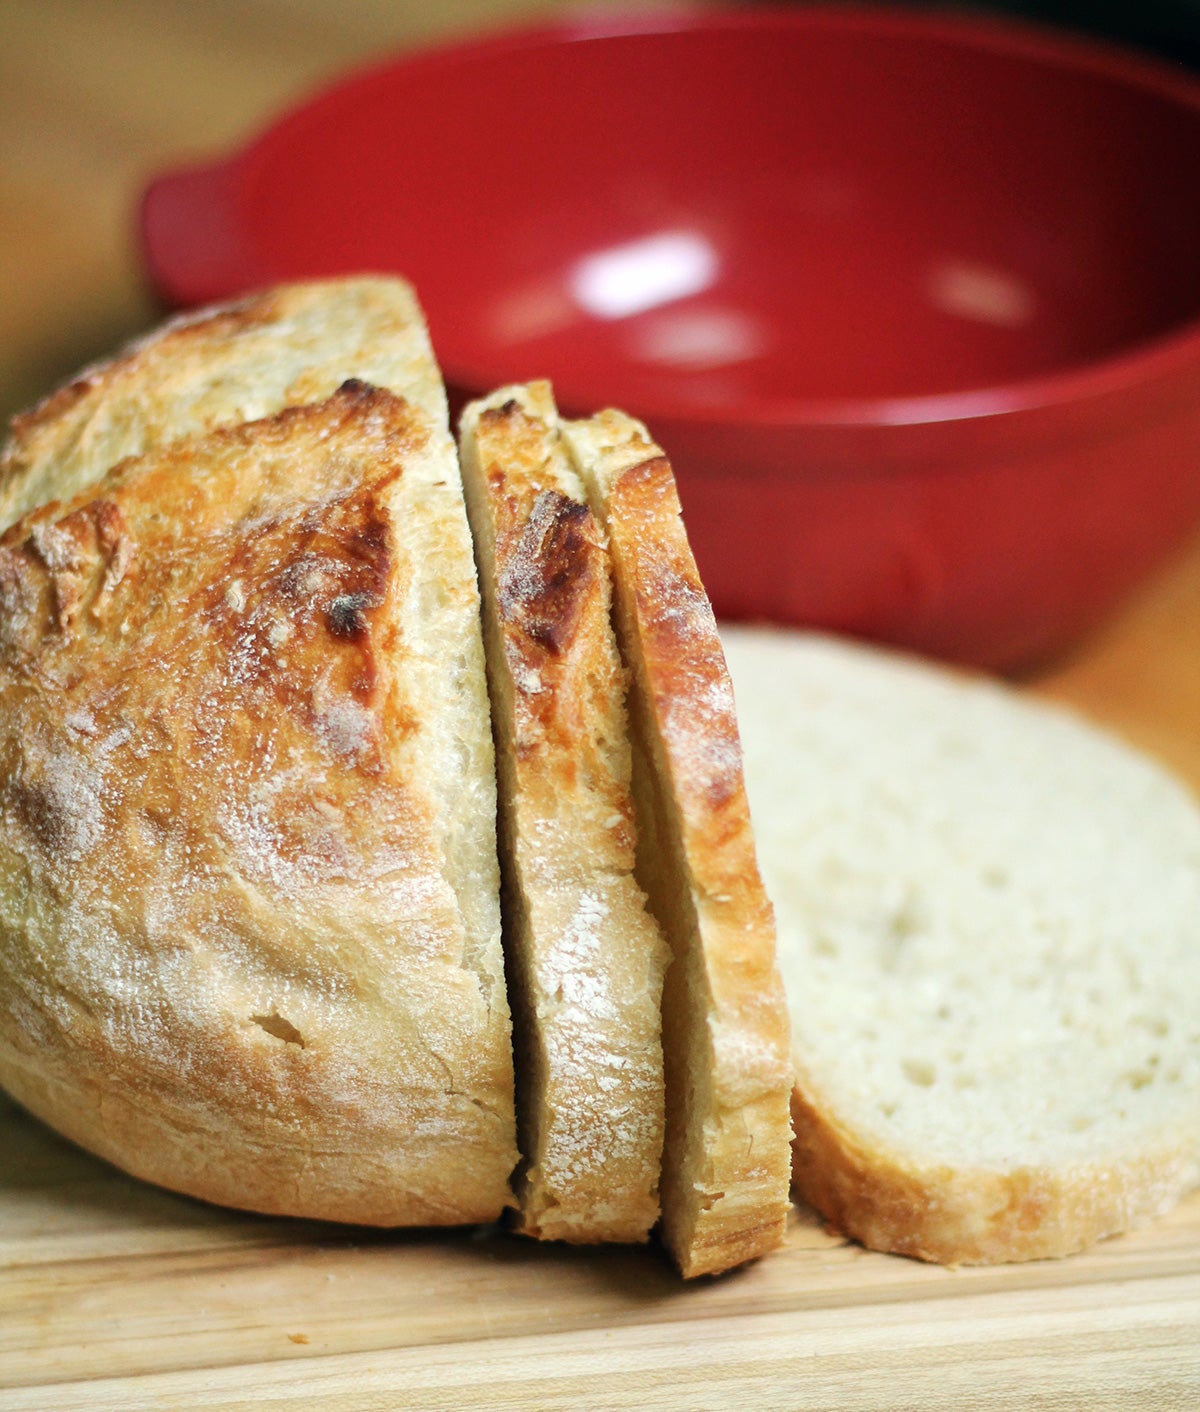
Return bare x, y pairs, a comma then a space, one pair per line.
585, 960
726, 1162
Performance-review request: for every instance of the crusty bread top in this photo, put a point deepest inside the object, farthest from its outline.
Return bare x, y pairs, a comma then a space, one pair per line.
989, 922
586, 962
235, 362
249, 923
220, 366
725, 1027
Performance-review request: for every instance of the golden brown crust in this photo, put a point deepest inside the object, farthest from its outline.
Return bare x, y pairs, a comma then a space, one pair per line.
233, 960
217, 367
43, 423
725, 1025
966, 1216
585, 960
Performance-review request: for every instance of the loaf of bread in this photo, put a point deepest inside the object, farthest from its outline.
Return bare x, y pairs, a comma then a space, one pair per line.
249, 888
989, 924
725, 1027
249, 898
585, 959
250, 895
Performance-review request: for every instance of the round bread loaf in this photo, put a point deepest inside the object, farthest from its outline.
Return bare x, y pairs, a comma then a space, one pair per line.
249, 911
989, 926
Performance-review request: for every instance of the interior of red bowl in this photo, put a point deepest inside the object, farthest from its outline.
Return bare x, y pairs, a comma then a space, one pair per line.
749, 215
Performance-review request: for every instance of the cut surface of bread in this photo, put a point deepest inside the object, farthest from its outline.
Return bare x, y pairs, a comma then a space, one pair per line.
989, 924
249, 897
725, 1030
585, 960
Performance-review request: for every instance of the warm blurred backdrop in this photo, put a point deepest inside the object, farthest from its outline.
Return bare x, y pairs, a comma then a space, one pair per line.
96, 95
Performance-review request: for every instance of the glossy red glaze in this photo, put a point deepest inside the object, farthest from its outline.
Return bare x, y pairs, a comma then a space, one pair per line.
913, 303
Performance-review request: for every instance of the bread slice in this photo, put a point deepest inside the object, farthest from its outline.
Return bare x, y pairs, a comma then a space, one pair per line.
249, 896
725, 1028
989, 923
585, 960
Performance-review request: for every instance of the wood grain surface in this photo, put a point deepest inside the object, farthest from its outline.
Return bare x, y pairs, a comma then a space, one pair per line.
116, 1296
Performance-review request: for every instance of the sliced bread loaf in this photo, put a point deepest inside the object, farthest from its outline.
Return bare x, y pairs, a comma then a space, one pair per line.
585, 960
249, 897
725, 1029
989, 924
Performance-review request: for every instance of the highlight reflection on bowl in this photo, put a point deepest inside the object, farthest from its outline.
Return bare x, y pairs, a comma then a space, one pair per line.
913, 302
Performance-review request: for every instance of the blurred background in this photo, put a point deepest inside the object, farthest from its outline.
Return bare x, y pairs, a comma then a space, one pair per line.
95, 95
1170, 28
98, 95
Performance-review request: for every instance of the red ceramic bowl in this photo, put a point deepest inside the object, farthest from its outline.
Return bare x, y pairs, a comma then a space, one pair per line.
913, 303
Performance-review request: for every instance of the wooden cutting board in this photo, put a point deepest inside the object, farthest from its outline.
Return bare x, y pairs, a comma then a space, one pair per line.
114, 1295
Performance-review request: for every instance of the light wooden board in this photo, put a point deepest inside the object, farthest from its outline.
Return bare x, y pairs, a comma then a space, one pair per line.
114, 1295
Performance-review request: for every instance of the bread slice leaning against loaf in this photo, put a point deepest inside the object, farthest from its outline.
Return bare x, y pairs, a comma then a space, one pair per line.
989, 923
725, 1028
249, 898
585, 959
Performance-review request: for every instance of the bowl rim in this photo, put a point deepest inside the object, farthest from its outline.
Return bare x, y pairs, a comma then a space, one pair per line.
1144, 362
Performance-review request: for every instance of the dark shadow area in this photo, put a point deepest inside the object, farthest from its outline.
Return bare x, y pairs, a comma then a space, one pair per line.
1168, 29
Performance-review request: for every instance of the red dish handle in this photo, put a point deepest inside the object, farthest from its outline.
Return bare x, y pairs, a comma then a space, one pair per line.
193, 236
